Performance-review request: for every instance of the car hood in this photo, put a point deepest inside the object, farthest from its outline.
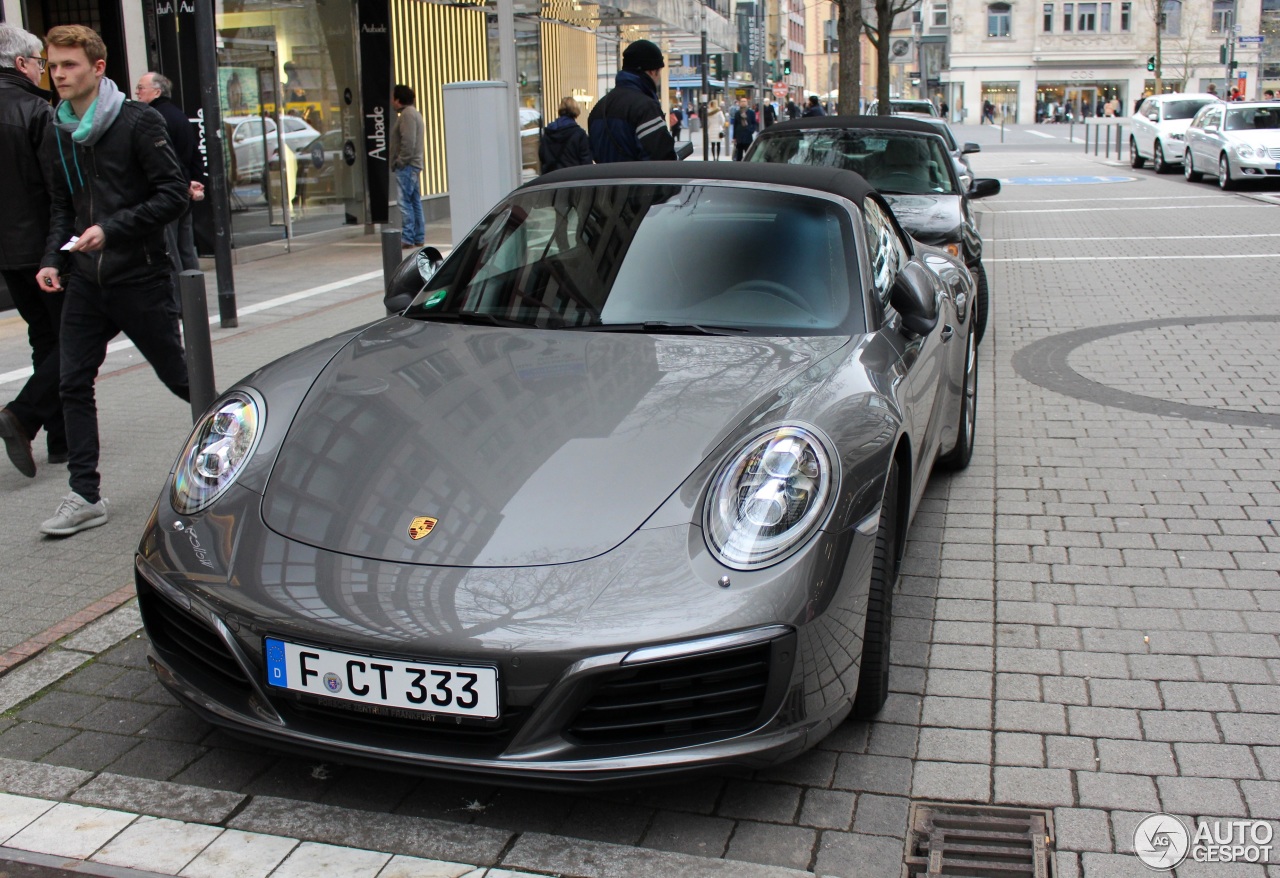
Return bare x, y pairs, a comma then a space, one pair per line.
1268, 137
433, 443
932, 219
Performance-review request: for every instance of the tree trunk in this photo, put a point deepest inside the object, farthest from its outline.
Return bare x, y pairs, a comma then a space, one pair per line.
879, 36
849, 33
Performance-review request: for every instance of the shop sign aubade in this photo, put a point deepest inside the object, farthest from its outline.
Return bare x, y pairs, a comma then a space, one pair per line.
375, 87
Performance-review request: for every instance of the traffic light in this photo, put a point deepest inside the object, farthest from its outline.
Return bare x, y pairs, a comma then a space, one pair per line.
772, 75
1151, 62
1222, 54
786, 66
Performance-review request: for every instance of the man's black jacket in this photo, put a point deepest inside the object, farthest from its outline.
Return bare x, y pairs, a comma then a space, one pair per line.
25, 134
130, 184
183, 136
628, 125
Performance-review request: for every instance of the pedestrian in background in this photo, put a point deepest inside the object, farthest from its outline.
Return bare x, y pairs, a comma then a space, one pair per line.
25, 138
745, 127
115, 184
628, 124
715, 129
564, 142
407, 161
793, 109
946, 111
157, 90
1269, 95
677, 121
814, 108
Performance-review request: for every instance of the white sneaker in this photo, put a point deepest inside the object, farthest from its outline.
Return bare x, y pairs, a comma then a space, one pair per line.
74, 515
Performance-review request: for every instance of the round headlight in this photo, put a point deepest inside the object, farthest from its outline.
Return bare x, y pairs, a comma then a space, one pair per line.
216, 452
769, 497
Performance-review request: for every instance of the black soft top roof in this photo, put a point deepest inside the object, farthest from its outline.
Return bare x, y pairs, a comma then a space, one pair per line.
883, 123
845, 184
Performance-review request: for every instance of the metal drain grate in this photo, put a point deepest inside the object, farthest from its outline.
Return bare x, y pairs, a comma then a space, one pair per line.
975, 841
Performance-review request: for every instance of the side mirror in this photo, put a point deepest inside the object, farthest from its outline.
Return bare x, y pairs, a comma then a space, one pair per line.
971, 147
428, 261
984, 186
912, 296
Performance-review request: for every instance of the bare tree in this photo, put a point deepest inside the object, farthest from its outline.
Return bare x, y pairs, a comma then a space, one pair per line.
1183, 58
1155, 9
886, 11
849, 33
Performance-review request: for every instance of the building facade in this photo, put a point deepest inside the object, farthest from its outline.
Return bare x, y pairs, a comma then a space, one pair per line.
1025, 56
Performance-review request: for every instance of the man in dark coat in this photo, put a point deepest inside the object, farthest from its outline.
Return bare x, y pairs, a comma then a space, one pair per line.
25, 137
814, 108
157, 90
793, 109
745, 126
628, 124
114, 186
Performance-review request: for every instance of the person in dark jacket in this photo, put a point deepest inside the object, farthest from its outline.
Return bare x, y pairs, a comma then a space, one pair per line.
115, 183
25, 135
793, 109
628, 124
564, 143
814, 108
157, 90
745, 126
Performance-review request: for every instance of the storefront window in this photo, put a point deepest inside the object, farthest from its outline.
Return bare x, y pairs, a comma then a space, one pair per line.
288, 88
1004, 97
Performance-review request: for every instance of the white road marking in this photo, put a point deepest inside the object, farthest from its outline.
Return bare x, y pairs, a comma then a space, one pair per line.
1145, 238
1042, 134
1093, 257
124, 344
1108, 209
1124, 198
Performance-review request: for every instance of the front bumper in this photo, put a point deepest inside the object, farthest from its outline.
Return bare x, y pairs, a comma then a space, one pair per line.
799, 619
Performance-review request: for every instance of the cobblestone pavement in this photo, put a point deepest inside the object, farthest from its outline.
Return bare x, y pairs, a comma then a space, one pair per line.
1087, 621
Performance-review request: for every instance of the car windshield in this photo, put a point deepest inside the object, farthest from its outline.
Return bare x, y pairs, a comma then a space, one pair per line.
1182, 109
894, 162
654, 258
1253, 118
924, 107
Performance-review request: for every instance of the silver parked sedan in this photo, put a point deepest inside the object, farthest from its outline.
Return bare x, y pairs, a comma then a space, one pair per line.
1235, 142
622, 493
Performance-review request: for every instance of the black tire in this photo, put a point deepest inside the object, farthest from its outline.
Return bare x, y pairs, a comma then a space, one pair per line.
1189, 170
958, 457
1135, 158
1225, 180
983, 305
873, 677
1158, 164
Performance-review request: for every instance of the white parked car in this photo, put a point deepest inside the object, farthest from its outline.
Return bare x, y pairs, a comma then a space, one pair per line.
1234, 142
253, 146
1159, 127
905, 107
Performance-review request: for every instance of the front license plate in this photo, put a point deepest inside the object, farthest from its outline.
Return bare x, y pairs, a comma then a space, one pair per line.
455, 690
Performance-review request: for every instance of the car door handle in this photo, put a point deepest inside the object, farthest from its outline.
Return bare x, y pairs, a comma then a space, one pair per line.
947, 332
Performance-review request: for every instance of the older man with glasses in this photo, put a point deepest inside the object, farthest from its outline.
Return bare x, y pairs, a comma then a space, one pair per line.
26, 140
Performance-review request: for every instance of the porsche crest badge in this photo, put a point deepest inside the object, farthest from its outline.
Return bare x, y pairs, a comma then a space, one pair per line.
421, 526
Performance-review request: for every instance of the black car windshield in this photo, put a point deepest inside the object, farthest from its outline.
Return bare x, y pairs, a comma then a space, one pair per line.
894, 162
1182, 109
654, 258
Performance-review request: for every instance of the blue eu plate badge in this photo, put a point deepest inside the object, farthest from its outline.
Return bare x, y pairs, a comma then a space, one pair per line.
276, 673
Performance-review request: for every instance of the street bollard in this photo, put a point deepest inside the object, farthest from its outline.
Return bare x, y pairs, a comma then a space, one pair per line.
390, 255
195, 331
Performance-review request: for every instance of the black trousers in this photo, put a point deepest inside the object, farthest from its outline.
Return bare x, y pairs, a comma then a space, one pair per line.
37, 405
91, 317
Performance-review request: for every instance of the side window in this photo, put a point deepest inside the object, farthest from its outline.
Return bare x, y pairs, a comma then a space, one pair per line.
884, 248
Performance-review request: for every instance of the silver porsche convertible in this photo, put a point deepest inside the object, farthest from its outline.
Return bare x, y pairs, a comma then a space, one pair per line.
621, 494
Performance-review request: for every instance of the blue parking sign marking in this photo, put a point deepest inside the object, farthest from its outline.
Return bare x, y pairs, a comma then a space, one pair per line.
277, 671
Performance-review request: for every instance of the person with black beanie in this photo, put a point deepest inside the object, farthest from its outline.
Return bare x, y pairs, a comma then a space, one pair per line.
628, 124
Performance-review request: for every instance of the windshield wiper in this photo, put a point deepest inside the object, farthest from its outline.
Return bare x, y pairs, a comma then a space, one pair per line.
661, 327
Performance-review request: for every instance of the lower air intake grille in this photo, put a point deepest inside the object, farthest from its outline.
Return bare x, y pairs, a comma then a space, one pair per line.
720, 693
178, 633
974, 841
